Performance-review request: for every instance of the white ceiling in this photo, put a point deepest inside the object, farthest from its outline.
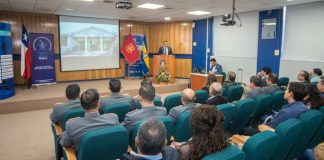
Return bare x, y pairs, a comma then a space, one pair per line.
178, 10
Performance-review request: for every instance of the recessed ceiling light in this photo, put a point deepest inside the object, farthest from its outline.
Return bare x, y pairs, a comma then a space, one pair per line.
199, 13
150, 6
69, 9
167, 18
87, 0
289, 0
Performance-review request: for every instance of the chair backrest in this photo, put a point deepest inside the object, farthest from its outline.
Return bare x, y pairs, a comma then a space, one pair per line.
234, 92
229, 153
229, 113
167, 123
224, 76
278, 100
104, 143
283, 81
261, 145
182, 128
171, 101
289, 133
244, 109
120, 108
311, 121
201, 96
319, 135
262, 105
72, 113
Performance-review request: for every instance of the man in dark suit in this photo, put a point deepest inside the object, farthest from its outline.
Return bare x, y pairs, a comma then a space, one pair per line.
215, 68
216, 97
188, 103
230, 79
165, 49
255, 86
146, 96
72, 93
271, 84
116, 96
263, 75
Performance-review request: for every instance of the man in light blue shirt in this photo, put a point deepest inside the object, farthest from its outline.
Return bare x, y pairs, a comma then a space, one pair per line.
315, 74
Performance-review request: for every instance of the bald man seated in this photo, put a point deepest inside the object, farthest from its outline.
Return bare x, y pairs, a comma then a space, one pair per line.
216, 97
188, 103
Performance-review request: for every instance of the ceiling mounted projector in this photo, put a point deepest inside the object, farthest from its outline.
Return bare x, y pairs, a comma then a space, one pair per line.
228, 19
124, 4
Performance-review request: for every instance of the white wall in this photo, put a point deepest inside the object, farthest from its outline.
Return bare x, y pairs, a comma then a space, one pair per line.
237, 47
303, 47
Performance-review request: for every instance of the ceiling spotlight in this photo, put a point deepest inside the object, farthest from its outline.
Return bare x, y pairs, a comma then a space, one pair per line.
150, 6
199, 13
167, 18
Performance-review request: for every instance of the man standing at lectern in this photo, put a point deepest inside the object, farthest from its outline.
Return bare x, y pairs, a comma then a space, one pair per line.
215, 68
165, 49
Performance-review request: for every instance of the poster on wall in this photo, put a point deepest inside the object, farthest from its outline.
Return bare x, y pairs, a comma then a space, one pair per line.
136, 69
43, 64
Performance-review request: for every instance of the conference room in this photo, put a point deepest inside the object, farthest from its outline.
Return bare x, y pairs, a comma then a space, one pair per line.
180, 79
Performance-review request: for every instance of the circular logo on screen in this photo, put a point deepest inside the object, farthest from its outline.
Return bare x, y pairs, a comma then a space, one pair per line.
42, 45
130, 48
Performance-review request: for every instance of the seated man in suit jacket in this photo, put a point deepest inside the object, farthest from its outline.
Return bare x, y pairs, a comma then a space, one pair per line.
135, 99
92, 120
216, 97
165, 49
72, 93
188, 103
272, 84
146, 96
215, 68
116, 96
256, 90
230, 79
263, 75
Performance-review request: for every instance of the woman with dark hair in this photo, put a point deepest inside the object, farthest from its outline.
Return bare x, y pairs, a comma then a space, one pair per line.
210, 80
313, 99
207, 134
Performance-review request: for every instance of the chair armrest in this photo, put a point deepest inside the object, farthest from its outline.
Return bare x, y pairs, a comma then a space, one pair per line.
58, 129
264, 127
69, 153
239, 139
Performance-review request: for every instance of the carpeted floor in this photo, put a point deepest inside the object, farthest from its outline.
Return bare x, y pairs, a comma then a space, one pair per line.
28, 136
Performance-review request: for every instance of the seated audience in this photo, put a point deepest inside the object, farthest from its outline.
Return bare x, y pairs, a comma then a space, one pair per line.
271, 84
263, 75
72, 93
303, 77
116, 96
315, 75
210, 79
207, 134
230, 79
255, 86
135, 99
216, 97
314, 100
150, 142
320, 86
294, 94
92, 120
188, 103
146, 97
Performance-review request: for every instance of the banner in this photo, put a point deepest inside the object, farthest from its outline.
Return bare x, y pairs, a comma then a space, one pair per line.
43, 64
136, 68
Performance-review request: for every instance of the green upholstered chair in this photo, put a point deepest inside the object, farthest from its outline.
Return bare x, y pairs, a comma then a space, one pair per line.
229, 112
311, 121
167, 123
261, 146
224, 76
72, 113
234, 93
229, 153
244, 109
120, 108
262, 105
171, 101
157, 102
283, 81
55, 136
201, 96
319, 135
102, 144
289, 133
278, 101
182, 130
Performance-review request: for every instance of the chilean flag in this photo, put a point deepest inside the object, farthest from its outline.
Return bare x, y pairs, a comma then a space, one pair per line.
25, 61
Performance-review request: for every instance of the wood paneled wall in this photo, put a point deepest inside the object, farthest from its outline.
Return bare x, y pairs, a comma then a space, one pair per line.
179, 35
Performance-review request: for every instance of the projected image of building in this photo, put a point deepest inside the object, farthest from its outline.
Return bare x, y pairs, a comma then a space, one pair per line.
90, 41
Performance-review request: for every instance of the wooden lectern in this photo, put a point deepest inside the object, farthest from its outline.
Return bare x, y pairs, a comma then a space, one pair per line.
169, 63
198, 80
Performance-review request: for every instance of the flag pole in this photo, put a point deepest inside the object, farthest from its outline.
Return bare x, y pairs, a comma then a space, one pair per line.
129, 65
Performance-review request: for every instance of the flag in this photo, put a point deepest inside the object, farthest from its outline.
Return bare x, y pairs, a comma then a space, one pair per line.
25, 60
145, 58
129, 50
